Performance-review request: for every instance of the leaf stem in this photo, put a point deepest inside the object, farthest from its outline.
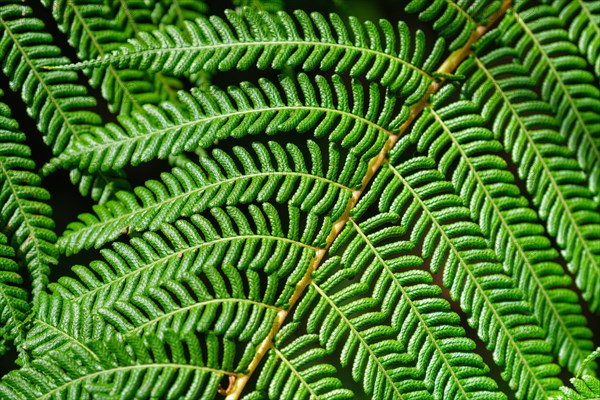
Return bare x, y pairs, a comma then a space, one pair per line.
447, 67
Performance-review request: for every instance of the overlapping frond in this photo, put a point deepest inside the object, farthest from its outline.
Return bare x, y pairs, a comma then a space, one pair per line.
254, 241
25, 215
268, 173
354, 116
586, 387
372, 303
94, 28
296, 370
203, 299
530, 134
166, 366
188, 305
379, 52
468, 154
454, 20
540, 42
581, 18
455, 248
54, 99
60, 106
14, 305
148, 14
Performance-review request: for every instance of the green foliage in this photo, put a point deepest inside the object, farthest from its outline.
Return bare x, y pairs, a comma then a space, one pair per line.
396, 215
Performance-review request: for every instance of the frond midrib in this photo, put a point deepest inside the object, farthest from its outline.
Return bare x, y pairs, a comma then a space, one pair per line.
589, 16
491, 307
67, 336
542, 161
412, 306
257, 43
513, 238
462, 11
295, 372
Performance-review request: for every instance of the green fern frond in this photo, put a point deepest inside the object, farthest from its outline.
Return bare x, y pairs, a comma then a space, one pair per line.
173, 12
391, 326
62, 326
257, 241
25, 215
379, 52
94, 29
468, 154
536, 33
553, 178
455, 20
266, 174
14, 305
456, 249
59, 105
586, 387
296, 371
581, 18
228, 312
60, 114
166, 366
354, 117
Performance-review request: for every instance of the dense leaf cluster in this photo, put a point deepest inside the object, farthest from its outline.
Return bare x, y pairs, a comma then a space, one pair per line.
397, 215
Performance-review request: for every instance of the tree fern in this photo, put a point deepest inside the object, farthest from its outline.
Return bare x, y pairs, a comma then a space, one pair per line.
396, 215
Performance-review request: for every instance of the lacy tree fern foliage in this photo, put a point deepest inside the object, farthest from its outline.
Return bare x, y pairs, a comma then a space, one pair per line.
334, 206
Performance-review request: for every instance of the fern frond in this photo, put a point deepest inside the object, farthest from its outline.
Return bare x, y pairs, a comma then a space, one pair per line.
61, 325
166, 367
586, 387
94, 29
54, 99
380, 52
25, 215
581, 18
536, 33
257, 241
354, 117
455, 20
372, 303
266, 174
468, 154
553, 178
14, 305
296, 370
24, 48
202, 299
456, 249
168, 12
231, 313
